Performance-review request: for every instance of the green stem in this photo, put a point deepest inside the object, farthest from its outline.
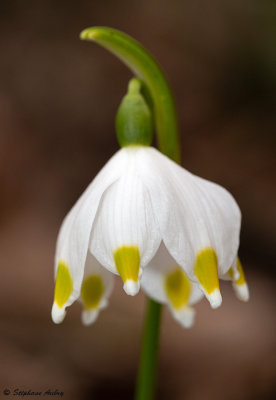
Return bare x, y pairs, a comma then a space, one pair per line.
146, 381
158, 94
139, 60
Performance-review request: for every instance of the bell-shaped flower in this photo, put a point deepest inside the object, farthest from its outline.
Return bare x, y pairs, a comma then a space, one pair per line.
138, 200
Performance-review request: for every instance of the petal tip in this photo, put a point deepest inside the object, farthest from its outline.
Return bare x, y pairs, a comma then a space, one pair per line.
89, 316
242, 291
185, 316
131, 287
103, 304
58, 314
215, 299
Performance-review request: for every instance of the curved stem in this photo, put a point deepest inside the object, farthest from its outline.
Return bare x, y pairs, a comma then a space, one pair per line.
139, 60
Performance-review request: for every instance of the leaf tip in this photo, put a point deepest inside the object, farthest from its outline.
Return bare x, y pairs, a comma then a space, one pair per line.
88, 34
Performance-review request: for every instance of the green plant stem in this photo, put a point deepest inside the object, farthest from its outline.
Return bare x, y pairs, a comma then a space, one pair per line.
159, 97
146, 380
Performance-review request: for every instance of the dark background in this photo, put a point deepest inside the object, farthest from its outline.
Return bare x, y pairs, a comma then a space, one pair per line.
58, 99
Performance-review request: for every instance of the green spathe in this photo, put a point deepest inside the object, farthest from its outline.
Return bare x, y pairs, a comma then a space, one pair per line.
134, 125
143, 65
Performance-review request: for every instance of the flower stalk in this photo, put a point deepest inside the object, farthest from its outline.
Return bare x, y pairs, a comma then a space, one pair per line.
159, 96
146, 379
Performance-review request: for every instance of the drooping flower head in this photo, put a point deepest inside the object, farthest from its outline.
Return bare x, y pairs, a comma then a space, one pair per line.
152, 222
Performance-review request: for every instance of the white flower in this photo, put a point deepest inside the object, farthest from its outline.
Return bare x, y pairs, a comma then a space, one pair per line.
140, 202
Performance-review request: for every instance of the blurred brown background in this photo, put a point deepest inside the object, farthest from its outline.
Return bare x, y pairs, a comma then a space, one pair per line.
58, 99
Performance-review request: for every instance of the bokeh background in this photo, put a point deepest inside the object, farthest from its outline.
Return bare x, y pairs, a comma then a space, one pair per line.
58, 99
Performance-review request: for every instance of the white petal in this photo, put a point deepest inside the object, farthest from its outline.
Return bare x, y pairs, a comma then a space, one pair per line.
74, 235
185, 316
224, 223
153, 283
93, 267
105, 281
125, 218
170, 214
237, 276
194, 215
88, 317
214, 298
131, 288
242, 291
58, 314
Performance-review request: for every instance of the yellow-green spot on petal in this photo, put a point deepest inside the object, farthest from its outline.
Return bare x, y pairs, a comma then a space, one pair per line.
206, 269
64, 284
127, 261
178, 288
241, 280
91, 291
231, 273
